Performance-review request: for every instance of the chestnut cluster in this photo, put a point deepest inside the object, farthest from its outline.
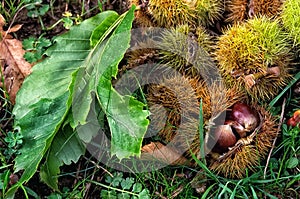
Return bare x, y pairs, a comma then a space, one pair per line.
240, 122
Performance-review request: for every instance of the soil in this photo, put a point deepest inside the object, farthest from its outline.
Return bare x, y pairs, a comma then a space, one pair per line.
33, 27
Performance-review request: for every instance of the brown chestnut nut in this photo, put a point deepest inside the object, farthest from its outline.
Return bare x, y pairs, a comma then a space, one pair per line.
225, 138
237, 127
244, 115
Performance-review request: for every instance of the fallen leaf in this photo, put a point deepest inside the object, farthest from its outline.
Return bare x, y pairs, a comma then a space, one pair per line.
2, 22
160, 152
4, 34
14, 68
15, 28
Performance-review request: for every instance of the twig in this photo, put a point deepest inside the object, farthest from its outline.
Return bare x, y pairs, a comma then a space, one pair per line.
275, 139
14, 18
99, 167
159, 195
77, 174
88, 185
6, 123
177, 192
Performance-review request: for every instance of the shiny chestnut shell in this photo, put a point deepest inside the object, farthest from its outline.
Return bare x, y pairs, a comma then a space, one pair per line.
246, 116
225, 138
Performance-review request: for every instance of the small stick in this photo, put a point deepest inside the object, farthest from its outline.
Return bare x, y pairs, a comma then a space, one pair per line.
77, 175
159, 195
99, 167
177, 192
275, 139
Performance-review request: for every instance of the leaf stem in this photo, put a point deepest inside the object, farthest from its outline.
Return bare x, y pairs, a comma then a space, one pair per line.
113, 188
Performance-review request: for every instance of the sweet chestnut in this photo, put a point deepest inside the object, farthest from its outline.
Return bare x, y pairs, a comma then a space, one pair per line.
225, 138
245, 116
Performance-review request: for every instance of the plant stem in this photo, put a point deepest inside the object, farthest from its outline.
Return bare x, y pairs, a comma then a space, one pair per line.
113, 188
274, 141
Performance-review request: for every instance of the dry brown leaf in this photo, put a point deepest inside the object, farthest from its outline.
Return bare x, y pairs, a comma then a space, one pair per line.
15, 28
2, 22
166, 154
14, 68
4, 34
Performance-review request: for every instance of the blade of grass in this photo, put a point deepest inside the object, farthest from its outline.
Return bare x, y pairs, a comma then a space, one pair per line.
253, 192
267, 194
295, 79
235, 189
245, 194
295, 179
5, 166
31, 192
204, 167
205, 194
275, 139
224, 190
112, 188
201, 133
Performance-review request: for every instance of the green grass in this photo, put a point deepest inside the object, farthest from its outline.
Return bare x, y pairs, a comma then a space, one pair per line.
5, 120
199, 182
9, 8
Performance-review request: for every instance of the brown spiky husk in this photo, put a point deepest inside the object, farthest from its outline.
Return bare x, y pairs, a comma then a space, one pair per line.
248, 157
141, 17
177, 100
216, 99
143, 52
187, 52
240, 10
269, 8
237, 10
208, 11
177, 121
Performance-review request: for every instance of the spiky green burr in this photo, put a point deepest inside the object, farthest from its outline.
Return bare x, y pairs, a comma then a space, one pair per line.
291, 19
256, 57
